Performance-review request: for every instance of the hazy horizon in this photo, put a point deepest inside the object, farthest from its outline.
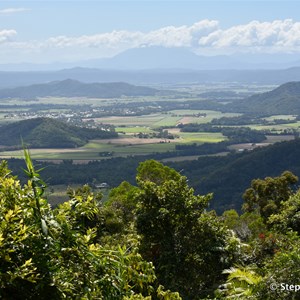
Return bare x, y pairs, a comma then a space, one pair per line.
66, 32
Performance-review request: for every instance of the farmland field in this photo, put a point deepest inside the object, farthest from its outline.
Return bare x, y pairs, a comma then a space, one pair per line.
279, 128
145, 125
123, 146
172, 118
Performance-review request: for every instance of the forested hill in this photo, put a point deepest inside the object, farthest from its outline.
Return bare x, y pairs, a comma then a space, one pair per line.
283, 100
228, 177
49, 133
74, 88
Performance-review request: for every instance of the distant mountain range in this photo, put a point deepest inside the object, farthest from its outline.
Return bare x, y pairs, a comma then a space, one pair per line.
149, 77
48, 133
74, 88
160, 65
146, 58
156, 57
283, 100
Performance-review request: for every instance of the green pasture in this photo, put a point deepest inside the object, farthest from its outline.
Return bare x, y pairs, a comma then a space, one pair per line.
169, 120
201, 137
172, 118
280, 117
131, 121
153, 121
118, 147
86, 154
276, 128
188, 115
209, 113
134, 129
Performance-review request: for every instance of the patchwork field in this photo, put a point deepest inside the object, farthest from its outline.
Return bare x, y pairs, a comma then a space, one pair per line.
278, 128
172, 118
130, 128
123, 146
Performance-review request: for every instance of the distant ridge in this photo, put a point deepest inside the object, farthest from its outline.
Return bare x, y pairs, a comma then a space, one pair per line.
153, 76
49, 133
156, 57
159, 57
285, 99
74, 88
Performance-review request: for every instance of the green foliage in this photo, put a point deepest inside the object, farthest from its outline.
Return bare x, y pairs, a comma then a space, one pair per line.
124, 199
242, 283
157, 234
68, 261
24, 245
288, 218
247, 226
270, 261
186, 244
155, 172
268, 195
282, 272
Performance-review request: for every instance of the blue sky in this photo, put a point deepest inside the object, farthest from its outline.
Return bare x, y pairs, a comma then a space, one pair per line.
46, 31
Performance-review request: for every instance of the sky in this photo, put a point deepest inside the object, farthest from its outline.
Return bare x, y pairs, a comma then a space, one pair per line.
50, 31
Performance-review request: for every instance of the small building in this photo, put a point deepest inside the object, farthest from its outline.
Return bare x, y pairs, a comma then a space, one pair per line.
102, 185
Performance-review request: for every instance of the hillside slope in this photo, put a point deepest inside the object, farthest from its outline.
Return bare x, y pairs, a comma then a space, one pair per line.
74, 88
49, 133
283, 100
228, 177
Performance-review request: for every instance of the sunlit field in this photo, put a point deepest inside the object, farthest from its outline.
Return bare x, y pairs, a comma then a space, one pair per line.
123, 146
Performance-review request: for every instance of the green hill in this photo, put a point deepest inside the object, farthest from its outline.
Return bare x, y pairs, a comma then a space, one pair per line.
49, 133
74, 88
228, 177
283, 100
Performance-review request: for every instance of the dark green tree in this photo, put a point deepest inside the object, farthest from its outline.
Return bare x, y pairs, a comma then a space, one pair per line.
267, 195
186, 243
289, 216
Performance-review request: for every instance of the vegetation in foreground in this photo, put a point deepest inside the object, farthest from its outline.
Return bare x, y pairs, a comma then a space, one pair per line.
155, 240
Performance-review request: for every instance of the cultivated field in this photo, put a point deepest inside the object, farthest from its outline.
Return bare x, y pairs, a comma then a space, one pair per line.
123, 146
133, 125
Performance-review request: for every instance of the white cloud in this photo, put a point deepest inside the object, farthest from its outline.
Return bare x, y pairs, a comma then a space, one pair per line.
183, 36
8, 11
6, 34
171, 36
113, 39
206, 37
279, 34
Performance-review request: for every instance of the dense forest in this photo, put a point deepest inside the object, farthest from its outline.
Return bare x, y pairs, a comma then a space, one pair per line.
152, 240
282, 100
